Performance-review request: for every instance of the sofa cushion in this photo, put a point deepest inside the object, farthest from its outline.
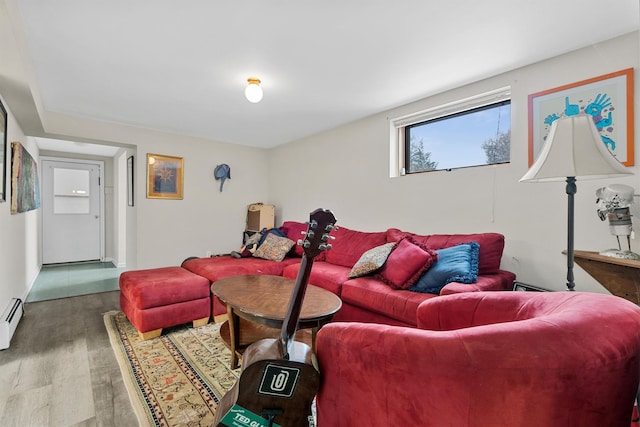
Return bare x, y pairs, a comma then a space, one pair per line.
491, 245
371, 260
500, 281
323, 274
375, 296
349, 245
294, 231
406, 263
274, 247
455, 264
162, 286
216, 268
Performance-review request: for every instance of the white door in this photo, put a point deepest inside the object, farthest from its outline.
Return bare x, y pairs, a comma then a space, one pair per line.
71, 211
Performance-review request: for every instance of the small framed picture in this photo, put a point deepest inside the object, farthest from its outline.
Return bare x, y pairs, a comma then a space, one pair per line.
164, 177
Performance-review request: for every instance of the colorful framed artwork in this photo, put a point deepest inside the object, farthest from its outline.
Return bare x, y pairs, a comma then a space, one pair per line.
607, 98
25, 186
164, 177
3, 153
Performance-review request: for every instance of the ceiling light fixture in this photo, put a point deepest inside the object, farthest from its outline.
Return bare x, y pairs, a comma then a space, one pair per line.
253, 91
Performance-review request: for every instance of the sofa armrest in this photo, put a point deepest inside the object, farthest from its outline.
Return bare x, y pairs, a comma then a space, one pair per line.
512, 372
378, 375
470, 309
500, 281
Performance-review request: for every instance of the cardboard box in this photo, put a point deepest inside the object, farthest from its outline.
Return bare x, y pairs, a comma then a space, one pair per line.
260, 216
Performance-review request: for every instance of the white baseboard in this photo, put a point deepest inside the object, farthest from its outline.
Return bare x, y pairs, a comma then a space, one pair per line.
114, 262
9, 321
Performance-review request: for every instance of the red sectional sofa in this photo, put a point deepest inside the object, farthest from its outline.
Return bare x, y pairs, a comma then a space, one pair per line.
368, 298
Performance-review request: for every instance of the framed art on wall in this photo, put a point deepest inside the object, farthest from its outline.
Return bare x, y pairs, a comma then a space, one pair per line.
25, 186
130, 181
607, 98
3, 153
164, 177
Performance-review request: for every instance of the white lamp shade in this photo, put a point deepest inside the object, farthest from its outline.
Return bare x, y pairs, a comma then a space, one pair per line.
253, 92
574, 148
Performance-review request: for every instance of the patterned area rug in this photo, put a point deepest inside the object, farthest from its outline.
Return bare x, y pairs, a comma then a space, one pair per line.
176, 379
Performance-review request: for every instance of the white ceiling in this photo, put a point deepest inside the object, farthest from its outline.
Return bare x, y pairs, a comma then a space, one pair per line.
181, 66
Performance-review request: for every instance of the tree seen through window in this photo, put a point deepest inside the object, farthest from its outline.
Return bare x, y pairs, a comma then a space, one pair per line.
481, 136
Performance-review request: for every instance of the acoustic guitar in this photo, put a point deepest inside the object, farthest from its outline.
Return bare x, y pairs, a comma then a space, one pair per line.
279, 380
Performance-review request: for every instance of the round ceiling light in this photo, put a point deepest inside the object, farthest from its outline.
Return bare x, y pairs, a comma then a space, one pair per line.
253, 91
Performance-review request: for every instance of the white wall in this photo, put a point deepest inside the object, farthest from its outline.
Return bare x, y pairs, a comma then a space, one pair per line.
347, 170
165, 232
19, 234
168, 231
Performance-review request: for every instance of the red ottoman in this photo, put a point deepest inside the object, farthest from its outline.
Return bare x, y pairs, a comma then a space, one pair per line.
162, 297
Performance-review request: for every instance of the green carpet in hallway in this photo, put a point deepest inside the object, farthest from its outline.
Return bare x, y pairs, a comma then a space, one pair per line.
68, 280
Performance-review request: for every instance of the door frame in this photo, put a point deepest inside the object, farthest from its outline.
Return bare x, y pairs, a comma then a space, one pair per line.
101, 192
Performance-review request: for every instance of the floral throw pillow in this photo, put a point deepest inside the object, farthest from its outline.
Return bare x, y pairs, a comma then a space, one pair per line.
274, 248
371, 260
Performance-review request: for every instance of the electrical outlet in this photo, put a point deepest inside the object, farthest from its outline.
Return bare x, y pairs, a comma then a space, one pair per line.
209, 254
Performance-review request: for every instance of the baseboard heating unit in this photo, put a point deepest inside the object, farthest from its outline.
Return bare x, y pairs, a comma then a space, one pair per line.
9, 321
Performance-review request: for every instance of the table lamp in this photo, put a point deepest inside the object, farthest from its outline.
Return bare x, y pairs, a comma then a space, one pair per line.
573, 149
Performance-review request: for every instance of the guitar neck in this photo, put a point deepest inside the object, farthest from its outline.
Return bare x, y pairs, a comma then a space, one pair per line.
290, 323
321, 222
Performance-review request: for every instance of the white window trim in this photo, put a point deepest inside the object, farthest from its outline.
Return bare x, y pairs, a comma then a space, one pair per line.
397, 125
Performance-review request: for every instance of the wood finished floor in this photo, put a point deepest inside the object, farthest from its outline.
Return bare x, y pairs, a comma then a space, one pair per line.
60, 370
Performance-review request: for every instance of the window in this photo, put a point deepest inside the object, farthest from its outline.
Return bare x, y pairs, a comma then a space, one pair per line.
472, 132
71, 191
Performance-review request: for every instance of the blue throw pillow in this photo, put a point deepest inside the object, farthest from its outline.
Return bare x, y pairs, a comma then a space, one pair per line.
455, 264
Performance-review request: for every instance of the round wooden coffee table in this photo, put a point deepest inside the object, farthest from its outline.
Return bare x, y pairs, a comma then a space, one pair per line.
262, 302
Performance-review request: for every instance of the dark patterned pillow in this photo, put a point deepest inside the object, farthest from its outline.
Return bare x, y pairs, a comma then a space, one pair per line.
274, 248
371, 260
265, 231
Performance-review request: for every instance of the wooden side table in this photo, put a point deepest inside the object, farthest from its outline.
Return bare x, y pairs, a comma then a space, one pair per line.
619, 276
262, 302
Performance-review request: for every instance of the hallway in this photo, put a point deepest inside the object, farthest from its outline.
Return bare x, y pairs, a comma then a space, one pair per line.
68, 280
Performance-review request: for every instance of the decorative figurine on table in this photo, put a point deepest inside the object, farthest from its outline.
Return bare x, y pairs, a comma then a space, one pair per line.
613, 204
